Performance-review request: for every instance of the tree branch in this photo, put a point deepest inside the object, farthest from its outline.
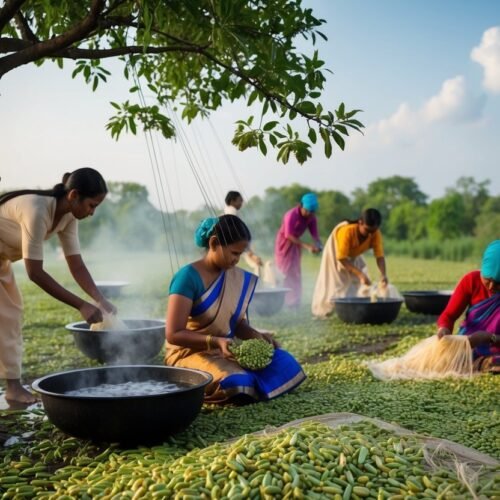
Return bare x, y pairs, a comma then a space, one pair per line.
8, 11
24, 28
48, 47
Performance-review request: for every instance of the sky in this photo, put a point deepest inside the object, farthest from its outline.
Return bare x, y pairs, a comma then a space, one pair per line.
426, 75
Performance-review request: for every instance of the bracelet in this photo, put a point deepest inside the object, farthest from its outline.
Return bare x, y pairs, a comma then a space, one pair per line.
209, 342
493, 339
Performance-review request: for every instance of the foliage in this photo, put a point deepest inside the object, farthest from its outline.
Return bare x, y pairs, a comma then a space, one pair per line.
192, 56
386, 194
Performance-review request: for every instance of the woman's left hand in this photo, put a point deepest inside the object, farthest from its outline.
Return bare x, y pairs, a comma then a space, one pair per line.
107, 306
384, 280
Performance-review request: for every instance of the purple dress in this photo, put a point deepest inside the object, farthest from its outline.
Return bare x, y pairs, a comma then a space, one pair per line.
287, 254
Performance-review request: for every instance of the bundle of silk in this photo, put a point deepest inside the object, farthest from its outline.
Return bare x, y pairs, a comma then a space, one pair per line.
110, 322
450, 356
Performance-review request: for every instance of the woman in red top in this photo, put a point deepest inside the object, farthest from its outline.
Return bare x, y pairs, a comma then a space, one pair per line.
479, 293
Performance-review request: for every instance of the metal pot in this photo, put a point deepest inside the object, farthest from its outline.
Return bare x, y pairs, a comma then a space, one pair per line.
268, 301
141, 342
111, 289
362, 310
427, 301
130, 419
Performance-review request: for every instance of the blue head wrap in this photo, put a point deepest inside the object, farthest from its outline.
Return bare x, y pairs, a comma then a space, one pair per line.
310, 202
204, 231
490, 267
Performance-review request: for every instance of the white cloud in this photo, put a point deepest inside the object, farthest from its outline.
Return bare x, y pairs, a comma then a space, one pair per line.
453, 103
487, 54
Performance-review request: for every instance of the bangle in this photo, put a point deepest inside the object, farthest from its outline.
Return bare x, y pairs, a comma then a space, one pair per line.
209, 342
493, 339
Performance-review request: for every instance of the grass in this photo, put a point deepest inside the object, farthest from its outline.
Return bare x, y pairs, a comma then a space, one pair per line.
332, 353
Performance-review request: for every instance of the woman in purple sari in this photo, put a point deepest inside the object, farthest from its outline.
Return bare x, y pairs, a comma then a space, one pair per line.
288, 246
479, 293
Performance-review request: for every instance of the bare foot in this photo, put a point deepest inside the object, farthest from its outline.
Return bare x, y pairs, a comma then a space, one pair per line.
16, 392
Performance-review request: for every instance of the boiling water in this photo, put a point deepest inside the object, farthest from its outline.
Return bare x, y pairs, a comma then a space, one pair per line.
146, 388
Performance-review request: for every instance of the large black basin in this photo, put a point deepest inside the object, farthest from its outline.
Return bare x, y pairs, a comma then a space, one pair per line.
362, 310
427, 301
268, 301
131, 419
141, 342
111, 289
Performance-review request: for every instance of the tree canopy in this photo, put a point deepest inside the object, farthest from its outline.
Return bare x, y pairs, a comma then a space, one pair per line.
192, 56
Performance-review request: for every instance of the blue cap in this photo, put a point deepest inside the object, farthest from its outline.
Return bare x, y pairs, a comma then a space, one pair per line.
310, 202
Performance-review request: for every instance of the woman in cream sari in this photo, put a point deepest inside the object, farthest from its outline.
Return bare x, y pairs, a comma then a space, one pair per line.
207, 308
343, 271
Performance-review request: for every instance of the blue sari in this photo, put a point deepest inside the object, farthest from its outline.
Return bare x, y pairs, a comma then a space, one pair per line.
218, 312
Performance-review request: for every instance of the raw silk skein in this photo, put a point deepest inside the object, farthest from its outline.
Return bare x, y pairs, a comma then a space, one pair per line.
450, 356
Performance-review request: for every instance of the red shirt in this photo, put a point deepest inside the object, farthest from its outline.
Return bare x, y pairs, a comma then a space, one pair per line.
469, 291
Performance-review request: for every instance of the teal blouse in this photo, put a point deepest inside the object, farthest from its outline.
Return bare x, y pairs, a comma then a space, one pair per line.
187, 282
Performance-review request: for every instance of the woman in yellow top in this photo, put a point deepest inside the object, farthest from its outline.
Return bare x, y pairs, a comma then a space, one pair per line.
343, 271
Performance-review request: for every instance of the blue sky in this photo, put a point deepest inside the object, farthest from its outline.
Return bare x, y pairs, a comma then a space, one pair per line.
426, 74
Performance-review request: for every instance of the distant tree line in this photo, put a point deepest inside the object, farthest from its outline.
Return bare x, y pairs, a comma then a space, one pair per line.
455, 226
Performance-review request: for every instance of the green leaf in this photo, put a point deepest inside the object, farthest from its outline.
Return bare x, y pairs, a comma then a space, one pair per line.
252, 97
273, 140
341, 111
312, 135
339, 140
95, 84
270, 125
131, 124
306, 107
262, 146
326, 139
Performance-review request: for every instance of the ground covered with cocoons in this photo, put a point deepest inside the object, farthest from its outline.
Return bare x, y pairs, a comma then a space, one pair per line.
40, 461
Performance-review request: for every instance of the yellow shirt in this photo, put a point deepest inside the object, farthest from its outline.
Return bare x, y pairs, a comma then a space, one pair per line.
348, 245
26, 221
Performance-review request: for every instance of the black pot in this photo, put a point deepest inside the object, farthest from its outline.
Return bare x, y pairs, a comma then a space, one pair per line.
362, 310
111, 289
130, 420
427, 301
268, 301
141, 342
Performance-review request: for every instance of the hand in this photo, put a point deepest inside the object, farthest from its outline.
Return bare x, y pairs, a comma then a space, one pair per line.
315, 249
442, 332
269, 337
365, 280
90, 313
223, 345
384, 280
107, 306
258, 260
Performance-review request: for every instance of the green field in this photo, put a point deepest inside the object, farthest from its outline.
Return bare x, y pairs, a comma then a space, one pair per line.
465, 411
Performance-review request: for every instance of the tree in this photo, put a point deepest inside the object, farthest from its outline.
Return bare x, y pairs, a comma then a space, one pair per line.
407, 221
474, 195
446, 217
190, 55
386, 194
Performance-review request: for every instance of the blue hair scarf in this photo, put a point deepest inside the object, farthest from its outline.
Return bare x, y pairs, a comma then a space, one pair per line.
490, 267
310, 202
204, 231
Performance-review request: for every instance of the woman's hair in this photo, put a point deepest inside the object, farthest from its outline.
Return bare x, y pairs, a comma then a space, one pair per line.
228, 229
232, 196
87, 181
371, 217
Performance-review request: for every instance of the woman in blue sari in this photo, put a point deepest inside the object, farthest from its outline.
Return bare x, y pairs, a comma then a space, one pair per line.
478, 292
207, 309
